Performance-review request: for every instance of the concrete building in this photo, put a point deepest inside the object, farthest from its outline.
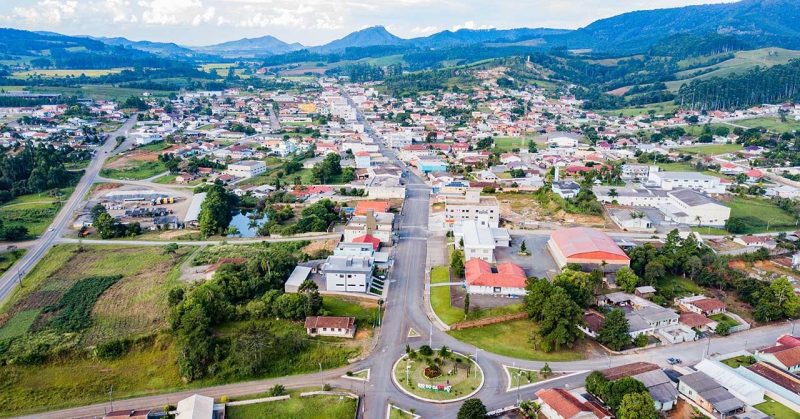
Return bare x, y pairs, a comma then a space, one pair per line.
635, 172
709, 395
348, 273
246, 168
684, 180
199, 407
480, 241
687, 206
376, 224
485, 210
587, 247
296, 279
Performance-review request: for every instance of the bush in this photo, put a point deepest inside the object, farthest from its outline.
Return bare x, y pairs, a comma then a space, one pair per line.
277, 390
425, 350
641, 341
113, 349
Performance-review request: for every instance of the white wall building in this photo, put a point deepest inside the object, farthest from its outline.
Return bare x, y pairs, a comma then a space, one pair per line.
485, 210
348, 273
246, 168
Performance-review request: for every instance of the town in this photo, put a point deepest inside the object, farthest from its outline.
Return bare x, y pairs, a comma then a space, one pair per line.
324, 244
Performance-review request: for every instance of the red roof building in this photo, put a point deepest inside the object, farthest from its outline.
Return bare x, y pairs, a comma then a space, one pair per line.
506, 279
363, 207
588, 247
560, 403
368, 238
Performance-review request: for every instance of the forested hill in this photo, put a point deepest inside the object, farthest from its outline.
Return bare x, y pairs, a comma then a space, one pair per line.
773, 85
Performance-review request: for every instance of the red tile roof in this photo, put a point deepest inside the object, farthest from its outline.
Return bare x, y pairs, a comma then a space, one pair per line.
628, 370
567, 405
329, 322
368, 238
694, 319
363, 207
779, 377
789, 357
789, 340
587, 243
509, 275
709, 304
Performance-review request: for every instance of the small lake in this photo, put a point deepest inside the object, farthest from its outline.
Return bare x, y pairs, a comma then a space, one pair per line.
247, 224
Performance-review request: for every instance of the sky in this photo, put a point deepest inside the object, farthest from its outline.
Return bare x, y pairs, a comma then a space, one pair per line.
310, 22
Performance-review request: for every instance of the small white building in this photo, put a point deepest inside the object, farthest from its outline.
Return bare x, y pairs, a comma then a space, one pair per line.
340, 327
246, 168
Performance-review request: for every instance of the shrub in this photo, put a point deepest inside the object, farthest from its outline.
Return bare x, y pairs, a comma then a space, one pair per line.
425, 350
277, 390
113, 349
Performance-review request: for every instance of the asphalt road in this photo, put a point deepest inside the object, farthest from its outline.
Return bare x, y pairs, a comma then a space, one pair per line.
405, 309
11, 278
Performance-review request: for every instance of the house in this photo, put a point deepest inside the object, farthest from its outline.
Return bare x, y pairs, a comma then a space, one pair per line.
506, 279
701, 304
705, 392
697, 321
557, 403
645, 291
740, 387
658, 384
340, 327
480, 241
784, 357
587, 247
755, 241
485, 210
348, 273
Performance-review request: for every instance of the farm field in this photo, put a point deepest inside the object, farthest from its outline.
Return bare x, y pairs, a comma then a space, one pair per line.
511, 339
742, 62
335, 407
712, 149
34, 211
100, 91
66, 73
772, 124
761, 215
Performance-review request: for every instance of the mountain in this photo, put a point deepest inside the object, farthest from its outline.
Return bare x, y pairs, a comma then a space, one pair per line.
164, 49
374, 36
480, 36
250, 48
760, 22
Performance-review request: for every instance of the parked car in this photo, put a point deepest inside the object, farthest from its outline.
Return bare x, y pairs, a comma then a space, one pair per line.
674, 361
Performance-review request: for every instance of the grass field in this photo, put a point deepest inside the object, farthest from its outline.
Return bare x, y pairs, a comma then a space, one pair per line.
297, 407
678, 286
738, 361
506, 144
8, 259
365, 313
776, 409
440, 297
135, 170
741, 63
686, 167
511, 339
65, 73
659, 108
34, 211
772, 124
761, 215
712, 149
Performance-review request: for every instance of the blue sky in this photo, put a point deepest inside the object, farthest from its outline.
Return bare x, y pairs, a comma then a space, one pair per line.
311, 22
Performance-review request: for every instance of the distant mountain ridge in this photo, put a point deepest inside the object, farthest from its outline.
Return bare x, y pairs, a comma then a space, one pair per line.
250, 47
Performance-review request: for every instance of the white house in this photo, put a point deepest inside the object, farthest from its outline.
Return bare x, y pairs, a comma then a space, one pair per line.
246, 168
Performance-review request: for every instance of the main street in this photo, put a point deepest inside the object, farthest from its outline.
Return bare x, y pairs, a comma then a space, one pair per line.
407, 308
11, 278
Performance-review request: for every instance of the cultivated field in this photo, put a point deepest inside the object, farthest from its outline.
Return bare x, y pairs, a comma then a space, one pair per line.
741, 63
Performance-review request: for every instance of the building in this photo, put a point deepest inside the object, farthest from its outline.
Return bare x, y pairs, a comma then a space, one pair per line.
375, 224
129, 414
784, 357
740, 387
246, 169
193, 213
485, 210
507, 279
363, 207
340, 327
587, 247
296, 279
658, 384
199, 407
684, 180
709, 395
479, 241
635, 172
363, 160
701, 304
557, 403
348, 273
687, 206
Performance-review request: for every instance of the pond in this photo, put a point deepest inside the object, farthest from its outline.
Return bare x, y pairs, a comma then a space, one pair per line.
247, 224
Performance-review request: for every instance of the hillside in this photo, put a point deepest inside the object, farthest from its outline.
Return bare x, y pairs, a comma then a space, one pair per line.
374, 36
742, 61
250, 47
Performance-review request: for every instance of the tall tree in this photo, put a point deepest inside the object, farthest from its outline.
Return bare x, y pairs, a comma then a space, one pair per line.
614, 331
472, 409
637, 406
560, 319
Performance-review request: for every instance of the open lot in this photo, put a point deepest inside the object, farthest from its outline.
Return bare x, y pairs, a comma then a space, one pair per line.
335, 407
8, 259
712, 149
141, 163
772, 124
34, 211
761, 215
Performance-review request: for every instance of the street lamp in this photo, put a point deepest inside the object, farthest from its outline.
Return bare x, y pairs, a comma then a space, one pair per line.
321, 380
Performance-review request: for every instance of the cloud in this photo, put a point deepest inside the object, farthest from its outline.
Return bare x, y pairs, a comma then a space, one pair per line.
47, 11
470, 24
423, 30
174, 12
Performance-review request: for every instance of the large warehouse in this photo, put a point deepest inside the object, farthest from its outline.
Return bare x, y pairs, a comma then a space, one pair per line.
587, 247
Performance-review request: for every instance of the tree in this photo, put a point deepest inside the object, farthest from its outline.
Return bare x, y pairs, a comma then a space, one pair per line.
472, 409
627, 279
614, 331
637, 406
559, 321
466, 305
457, 263
546, 371
619, 388
538, 291
579, 285
653, 271
216, 211
523, 249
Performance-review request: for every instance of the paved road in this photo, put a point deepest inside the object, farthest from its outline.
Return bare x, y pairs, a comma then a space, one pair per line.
11, 278
406, 309
327, 236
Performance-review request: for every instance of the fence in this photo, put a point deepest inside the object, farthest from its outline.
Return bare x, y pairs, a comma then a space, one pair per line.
487, 321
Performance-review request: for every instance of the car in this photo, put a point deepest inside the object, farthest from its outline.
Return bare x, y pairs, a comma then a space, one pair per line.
50, 229
674, 361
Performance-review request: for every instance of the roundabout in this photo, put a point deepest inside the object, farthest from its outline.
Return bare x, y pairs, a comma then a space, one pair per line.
437, 376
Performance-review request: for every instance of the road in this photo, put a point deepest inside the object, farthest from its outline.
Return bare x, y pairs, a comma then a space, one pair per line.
11, 278
408, 308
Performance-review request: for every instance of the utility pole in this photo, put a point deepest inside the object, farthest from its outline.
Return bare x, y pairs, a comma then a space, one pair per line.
430, 335
111, 397
321, 380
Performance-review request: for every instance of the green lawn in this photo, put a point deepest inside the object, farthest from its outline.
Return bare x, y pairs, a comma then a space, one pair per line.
712, 149
738, 361
440, 297
772, 124
678, 286
776, 409
136, 170
512, 339
334, 407
34, 211
396, 413
721, 318
8, 259
760, 214
504, 144
365, 313
686, 167
659, 108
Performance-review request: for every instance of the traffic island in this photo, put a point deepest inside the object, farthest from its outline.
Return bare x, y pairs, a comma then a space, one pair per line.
437, 376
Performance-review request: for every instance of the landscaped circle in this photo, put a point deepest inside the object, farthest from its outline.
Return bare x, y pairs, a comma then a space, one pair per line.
437, 376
